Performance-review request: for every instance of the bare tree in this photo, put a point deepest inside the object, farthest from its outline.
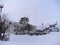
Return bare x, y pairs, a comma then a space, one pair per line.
3, 25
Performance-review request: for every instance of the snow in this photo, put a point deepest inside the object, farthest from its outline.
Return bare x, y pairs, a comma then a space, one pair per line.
52, 38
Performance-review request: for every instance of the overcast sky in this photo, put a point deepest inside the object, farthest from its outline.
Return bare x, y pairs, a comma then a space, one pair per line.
38, 11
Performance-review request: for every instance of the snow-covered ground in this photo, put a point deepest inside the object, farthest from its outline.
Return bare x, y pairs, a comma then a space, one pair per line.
52, 38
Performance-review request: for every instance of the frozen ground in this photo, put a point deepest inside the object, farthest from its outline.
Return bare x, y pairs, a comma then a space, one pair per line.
49, 39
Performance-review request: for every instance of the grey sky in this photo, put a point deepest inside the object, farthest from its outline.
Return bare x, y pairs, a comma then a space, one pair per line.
46, 11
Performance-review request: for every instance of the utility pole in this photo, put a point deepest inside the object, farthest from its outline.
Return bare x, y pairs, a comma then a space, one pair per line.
42, 25
1, 6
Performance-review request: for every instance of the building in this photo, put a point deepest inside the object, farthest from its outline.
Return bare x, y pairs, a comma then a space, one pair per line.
16, 28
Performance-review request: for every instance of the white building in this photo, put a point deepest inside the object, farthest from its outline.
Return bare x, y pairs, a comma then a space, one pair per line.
15, 27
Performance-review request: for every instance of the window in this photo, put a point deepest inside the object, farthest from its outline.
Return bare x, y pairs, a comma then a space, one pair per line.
17, 26
14, 30
18, 30
14, 25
